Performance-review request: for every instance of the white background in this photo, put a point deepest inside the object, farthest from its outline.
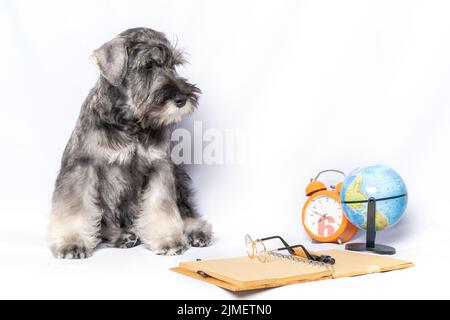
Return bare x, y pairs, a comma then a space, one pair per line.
320, 84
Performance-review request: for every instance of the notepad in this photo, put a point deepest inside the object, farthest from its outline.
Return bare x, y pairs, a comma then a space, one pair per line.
351, 264
244, 273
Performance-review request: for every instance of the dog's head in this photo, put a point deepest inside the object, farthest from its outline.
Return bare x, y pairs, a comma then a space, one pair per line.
141, 64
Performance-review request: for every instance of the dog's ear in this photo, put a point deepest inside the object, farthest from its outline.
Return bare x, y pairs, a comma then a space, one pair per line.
112, 60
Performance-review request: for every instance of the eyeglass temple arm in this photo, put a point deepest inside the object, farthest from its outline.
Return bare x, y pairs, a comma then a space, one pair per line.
286, 245
307, 254
322, 258
290, 249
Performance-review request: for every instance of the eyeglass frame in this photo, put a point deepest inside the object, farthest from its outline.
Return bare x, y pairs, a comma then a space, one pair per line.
322, 258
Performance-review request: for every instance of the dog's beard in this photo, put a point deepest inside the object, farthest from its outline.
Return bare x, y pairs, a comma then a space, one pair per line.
166, 115
171, 114
154, 103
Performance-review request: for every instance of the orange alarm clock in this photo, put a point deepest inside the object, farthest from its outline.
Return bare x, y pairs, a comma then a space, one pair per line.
323, 217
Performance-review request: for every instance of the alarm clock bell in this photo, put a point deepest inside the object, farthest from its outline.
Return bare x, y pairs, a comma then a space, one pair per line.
315, 186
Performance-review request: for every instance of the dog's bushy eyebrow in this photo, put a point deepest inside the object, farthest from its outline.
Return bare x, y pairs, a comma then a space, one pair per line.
160, 53
179, 58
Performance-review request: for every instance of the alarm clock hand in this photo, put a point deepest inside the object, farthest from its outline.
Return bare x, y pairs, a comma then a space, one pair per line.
322, 215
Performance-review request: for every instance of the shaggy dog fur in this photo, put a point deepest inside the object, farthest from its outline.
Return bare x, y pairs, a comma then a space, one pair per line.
117, 182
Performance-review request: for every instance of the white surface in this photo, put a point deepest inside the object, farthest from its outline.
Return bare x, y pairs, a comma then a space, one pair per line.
318, 84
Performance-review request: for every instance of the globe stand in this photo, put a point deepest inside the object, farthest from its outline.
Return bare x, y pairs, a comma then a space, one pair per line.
371, 233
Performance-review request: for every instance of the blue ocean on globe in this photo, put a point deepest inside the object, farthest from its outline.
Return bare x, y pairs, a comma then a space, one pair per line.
379, 182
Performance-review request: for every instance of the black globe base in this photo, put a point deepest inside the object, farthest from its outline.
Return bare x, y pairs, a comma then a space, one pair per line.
378, 248
370, 244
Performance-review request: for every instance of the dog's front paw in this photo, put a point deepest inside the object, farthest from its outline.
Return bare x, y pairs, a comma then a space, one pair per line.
200, 238
199, 232
170, 247
72, 252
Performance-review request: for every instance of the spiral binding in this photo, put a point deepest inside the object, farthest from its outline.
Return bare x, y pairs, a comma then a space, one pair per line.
298, 259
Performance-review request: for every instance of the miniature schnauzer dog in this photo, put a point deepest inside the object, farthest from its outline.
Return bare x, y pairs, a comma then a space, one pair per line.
117, 183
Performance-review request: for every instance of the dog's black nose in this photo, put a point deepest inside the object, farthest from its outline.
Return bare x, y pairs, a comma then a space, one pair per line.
180, 99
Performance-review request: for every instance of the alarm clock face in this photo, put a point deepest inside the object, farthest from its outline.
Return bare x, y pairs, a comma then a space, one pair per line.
323, 216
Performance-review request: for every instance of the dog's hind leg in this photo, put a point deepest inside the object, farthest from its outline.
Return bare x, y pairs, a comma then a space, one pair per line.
74, 226
197, 230
73, 232
117, 237
127, 240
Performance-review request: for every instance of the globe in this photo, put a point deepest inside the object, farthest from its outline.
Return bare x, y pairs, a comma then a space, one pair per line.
379, 182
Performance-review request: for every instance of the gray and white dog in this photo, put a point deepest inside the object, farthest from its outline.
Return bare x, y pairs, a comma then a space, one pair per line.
117, 183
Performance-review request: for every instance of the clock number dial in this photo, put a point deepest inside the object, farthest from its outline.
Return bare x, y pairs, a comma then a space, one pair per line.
323, 216
326, 227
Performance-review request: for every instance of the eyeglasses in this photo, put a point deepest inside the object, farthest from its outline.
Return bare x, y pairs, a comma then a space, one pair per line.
257, 248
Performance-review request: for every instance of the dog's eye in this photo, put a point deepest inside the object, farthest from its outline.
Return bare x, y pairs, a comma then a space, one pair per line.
149, 65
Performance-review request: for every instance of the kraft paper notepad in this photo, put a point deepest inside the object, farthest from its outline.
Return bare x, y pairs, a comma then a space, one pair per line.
244, 273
